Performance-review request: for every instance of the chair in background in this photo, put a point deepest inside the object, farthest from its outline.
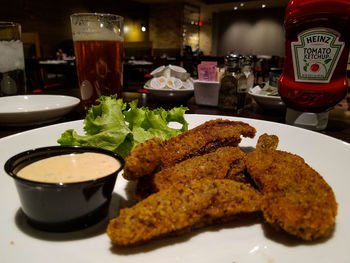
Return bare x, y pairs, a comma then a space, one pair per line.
32, 55
189, 61
34, 75
31, 44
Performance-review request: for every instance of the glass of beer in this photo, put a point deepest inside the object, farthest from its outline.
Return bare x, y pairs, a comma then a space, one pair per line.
12, 74
98, 45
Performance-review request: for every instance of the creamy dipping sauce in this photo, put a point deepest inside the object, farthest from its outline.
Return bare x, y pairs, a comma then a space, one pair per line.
70, 168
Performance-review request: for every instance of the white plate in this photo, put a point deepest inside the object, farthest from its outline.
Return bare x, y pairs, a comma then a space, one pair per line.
34, 109
236, 242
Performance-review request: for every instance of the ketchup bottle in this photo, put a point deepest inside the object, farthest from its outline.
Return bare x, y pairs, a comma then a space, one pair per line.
317, 48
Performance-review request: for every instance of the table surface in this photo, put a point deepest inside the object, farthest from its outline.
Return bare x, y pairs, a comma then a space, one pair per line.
338, 124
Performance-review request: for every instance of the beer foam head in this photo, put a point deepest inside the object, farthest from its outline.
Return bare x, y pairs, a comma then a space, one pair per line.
97, 27
99, 36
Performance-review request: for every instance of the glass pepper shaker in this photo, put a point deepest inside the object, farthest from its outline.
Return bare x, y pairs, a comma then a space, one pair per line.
228, 98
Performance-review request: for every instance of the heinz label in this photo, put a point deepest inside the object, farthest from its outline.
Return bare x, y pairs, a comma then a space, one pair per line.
316, 54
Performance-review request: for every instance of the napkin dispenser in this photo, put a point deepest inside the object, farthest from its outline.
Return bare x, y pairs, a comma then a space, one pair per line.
206, 92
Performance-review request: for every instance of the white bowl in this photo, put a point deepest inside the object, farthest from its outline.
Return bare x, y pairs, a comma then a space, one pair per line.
169, 95
268, 102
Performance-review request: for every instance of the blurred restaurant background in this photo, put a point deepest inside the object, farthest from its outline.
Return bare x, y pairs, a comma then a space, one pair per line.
157, 33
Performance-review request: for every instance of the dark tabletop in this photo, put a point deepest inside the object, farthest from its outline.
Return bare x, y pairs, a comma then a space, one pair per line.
338, 124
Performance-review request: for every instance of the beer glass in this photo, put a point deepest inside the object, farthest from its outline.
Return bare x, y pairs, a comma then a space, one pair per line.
98, 45
12, 74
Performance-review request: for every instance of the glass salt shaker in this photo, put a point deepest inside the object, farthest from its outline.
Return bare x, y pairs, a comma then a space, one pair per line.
228, 98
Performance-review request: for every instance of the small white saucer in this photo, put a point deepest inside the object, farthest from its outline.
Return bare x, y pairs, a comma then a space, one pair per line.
23, 110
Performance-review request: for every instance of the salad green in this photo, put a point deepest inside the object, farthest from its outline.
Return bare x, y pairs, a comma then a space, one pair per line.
114, 126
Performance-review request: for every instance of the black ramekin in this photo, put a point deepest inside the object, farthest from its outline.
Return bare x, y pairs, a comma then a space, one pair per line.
62, 207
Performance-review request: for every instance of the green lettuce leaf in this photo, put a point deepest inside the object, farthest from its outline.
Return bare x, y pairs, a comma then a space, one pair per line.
105, 116
113, 126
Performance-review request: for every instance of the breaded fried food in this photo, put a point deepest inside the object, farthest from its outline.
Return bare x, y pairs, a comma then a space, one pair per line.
295, 197
203, 139
225, 162
181, 208
143, 159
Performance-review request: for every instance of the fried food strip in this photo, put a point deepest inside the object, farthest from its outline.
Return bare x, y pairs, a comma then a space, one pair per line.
204, 138
181, 208
267, 143
295, 197
225, 162
143, 159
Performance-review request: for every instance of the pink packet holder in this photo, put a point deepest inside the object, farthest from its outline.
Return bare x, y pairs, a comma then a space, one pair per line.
207, 71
